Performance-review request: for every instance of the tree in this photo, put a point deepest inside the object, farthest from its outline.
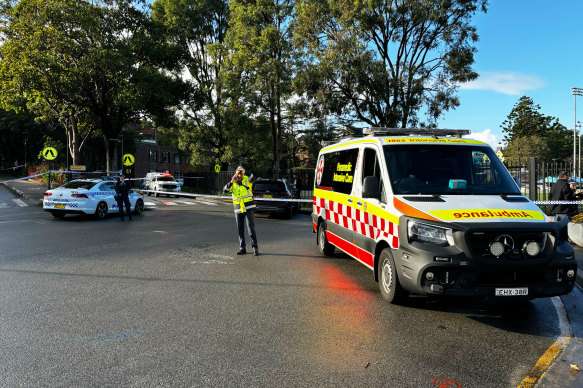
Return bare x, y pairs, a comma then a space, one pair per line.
524, 124
380, 62
261, 62
199, 27
103, 60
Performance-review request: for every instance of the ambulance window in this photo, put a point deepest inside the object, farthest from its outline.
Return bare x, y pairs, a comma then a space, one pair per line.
338, 171
371, 167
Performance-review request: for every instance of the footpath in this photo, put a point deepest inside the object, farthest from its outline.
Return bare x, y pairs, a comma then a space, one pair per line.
555, 365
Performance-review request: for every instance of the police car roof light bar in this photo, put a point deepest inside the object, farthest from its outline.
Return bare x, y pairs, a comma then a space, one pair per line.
382, 131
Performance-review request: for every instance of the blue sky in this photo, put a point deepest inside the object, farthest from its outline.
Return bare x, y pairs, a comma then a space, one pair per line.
526, 47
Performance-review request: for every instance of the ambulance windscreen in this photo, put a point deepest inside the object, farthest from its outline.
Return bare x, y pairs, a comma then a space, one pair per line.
447, 169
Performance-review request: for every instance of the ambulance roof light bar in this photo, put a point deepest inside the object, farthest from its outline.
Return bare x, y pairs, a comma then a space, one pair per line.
382, 131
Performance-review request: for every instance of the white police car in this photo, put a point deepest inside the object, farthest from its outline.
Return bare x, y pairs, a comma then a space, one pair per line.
87, 196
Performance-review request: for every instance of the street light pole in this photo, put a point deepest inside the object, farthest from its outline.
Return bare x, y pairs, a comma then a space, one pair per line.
576, 92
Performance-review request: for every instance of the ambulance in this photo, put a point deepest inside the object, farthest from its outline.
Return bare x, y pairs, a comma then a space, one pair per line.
432, 213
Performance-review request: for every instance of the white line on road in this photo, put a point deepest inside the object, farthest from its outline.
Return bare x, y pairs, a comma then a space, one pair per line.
19, 202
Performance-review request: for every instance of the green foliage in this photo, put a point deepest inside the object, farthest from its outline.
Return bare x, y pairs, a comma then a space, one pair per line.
379, 62
101, 59
262, 62
199, 27
529, 132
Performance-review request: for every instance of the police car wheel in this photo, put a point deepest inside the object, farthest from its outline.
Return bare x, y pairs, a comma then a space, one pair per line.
101, 210
139, 208
389, 285
326, 248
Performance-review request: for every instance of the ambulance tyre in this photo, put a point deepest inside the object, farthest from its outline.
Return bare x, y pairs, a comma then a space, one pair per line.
326, 248
389, 285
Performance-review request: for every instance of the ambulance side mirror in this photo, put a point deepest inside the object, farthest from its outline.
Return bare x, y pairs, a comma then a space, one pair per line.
370, 187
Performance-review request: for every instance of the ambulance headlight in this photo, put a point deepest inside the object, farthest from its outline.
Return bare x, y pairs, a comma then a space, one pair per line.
429, 233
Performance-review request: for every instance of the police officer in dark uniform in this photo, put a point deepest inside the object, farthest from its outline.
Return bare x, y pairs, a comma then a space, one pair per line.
561, 191
122, 191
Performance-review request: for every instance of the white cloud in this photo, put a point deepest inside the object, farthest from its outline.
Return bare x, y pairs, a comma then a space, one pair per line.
505, 82
487, 137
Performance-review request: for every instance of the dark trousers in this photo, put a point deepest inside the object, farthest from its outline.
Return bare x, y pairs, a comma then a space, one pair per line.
249, 218
124, 200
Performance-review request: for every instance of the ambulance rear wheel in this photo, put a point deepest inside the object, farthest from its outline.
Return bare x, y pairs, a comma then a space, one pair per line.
326, 248
389, 285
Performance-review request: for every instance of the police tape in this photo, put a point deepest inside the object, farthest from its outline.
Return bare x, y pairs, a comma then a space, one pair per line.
223, 197
256, 198
12, 168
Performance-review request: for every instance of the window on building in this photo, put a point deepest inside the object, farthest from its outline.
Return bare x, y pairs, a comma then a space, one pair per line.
186, 160
176, 158
177, 174
165, 157
153, 170
153, 156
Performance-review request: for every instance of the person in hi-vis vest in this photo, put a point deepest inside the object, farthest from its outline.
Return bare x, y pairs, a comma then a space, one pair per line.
241, 188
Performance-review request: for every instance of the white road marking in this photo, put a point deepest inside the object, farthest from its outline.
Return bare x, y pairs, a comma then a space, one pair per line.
208, 203
188, 202
170, 203
216, 259
19, 202
3, 204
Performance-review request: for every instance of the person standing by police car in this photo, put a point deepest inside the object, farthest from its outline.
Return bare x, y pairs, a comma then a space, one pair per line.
241, 188
122, 191
561, 190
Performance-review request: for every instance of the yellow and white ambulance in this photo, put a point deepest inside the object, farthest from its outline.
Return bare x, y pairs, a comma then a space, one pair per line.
433, 213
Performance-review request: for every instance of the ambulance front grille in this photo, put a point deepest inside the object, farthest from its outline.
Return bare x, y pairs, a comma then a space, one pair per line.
479, 243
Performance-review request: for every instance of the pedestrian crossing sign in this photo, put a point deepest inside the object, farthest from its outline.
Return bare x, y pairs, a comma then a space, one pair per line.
128, 159
49, 153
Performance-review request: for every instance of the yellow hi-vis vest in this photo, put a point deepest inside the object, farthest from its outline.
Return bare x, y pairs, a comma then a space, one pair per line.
243, 195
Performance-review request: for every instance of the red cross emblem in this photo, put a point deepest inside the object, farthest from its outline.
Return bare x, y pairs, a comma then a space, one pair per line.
320, 170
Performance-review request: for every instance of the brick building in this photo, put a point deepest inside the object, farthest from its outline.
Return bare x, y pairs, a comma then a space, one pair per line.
152, 157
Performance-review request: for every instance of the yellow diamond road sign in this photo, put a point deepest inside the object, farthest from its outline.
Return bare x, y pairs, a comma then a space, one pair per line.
128, 159
49, 153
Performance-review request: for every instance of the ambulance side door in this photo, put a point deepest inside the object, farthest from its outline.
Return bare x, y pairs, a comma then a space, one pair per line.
366, 230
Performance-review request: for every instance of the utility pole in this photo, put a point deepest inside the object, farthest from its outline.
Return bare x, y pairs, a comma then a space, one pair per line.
576, 92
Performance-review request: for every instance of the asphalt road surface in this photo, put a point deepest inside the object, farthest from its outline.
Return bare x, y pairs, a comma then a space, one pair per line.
163, 301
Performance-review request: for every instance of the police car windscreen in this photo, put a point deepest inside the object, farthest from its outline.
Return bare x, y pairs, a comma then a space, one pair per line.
166, 179
447, 169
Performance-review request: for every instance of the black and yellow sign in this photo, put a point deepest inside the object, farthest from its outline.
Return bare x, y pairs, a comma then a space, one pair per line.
128, 159
49, 153
217, 168
128, 172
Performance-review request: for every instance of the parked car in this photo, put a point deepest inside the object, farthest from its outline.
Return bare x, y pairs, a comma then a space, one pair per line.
265, 190
87, 196
161, 181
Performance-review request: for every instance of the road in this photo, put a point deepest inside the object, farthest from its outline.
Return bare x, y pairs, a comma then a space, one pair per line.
164, 301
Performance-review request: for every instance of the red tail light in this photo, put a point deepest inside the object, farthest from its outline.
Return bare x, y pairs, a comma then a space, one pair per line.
79, 195
48, 194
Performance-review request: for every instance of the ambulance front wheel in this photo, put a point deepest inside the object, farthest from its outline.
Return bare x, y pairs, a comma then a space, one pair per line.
326, 248
389, 285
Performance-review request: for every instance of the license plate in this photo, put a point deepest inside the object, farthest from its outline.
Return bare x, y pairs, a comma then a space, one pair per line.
59, 206
267, 196
512, 291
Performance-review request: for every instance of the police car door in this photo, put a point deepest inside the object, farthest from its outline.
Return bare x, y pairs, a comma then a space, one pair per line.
372, 172
107, 192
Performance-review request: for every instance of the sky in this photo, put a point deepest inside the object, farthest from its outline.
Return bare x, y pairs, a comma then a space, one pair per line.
526, 47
